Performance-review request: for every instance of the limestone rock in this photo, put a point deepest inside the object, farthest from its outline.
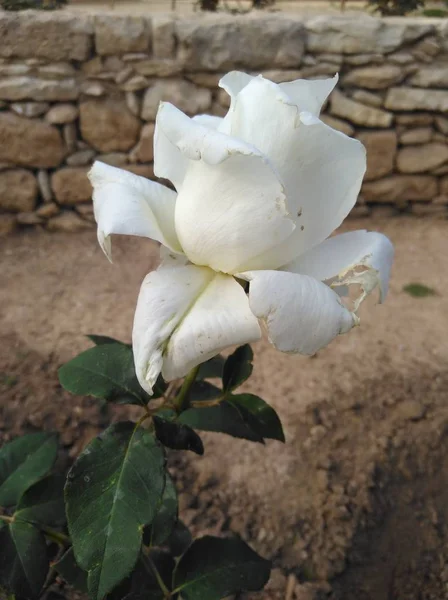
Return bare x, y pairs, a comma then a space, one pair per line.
141, 170
414, 119
223, 98
120, 34
427, 49
123, 75
183, 94
374, 78
58, 70
349, 35
115, 159
29, 142
441, 124
41, 34
67, 221
30, 109
32, 88
108, 126
407, 98
163, 41
281, 76
425, 209
62, 113
8, 224
381, 149
444, 186
9, 70
358, 60
71, 185
70, 136
420, 135
367, 98
431, 76
401, 187
144, 151
151, 67
338, 124
92, 88
18, 190
43, 181
134, 84
29, 218
81, 158
133, 103
358, 113
401, 58
47, 210
418, 159
224, 42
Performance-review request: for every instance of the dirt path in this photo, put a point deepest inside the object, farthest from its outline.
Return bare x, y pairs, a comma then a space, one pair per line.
358, 496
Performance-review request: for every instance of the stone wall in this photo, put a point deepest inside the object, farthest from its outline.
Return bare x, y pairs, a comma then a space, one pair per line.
75, 87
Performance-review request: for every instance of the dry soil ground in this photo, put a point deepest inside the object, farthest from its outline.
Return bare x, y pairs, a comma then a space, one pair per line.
355, 505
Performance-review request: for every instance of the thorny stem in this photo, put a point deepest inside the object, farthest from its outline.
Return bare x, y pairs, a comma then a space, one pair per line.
149, 563
181, 399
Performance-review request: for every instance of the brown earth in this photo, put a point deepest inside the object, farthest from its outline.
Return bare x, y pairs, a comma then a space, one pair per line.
355, 505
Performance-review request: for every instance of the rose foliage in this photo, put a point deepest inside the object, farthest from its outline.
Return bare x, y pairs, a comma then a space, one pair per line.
244, 239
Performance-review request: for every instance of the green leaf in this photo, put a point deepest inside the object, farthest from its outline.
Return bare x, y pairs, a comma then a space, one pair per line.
177, 436
113, 490
419, 290
160, 385
142, 583
179, 540
238, 368
68, 569
166, 517
43, 503
202, 391
212, 369
23, 462
213, 568
105, 371
100, 340
23, 559
261, 417
223, 418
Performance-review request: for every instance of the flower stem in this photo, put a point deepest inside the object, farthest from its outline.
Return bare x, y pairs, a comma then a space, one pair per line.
56, 536
149, 564
6, 519
182, 397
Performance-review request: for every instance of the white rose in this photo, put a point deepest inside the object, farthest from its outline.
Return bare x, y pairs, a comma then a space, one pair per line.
258, 194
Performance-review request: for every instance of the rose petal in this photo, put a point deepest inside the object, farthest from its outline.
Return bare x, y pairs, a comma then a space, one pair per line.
302, 314
361, 257
128, 204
